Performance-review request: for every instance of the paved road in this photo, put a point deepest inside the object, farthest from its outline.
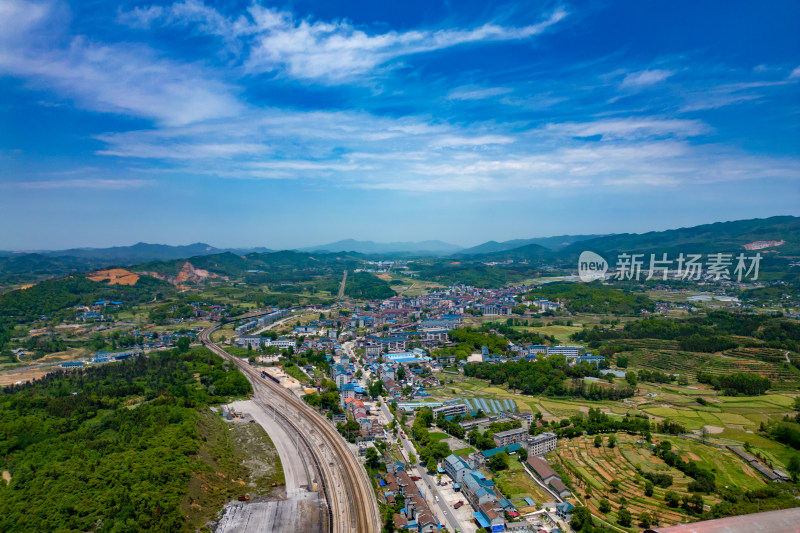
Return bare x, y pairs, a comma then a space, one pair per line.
428, 484
294, 469
341, 287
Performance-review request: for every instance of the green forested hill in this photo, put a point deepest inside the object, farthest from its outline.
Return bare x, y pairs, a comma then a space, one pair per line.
595, 298
109, 448
707, 238
57, 297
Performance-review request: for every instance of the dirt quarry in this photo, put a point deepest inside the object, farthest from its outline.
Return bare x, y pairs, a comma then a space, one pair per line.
114, 276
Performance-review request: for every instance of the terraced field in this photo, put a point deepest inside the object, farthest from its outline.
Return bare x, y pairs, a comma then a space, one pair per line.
665, 355
594, 468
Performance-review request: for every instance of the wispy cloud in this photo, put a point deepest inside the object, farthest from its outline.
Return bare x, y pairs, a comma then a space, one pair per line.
477, 93
330, 52
120, 78
83, 183
360, 150
336, 51
645, 78
631, 128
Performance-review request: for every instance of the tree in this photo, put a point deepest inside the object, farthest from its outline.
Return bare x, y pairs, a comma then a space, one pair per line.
401, 373
794, 467
498, 461
604, 506
431, 465
598, 441
645, 519
612, 441
697, 502
648, 488
522, 454
614, 484
183, 344
412, 458
624, 517
580, 517
672, 498
373, 459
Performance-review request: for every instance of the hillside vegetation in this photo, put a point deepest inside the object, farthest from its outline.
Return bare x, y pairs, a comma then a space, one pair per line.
595, 298
109, 448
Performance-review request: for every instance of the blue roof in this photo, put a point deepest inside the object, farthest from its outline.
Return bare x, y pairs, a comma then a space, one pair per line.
511, 448
482, 520
505, 504
529, 501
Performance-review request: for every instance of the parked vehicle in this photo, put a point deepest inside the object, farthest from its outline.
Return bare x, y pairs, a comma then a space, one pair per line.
459, 504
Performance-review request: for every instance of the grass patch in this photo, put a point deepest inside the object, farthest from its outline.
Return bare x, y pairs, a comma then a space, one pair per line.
461, 452
516, 483
234, 459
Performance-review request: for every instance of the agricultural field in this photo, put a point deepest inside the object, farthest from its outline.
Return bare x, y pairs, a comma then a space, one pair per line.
470, 388
665, 356
728, 419
592, 469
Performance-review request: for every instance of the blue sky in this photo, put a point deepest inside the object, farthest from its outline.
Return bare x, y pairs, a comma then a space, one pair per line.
299, 123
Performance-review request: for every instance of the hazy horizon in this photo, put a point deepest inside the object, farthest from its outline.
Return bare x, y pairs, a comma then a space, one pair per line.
291, 125
378, 241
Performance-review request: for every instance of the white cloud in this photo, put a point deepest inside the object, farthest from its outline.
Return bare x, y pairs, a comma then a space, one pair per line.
87, 183
120, 78
477, 93
360, 150
333, 52
795, 73
631, 128
453, 141
645, 78
324, 51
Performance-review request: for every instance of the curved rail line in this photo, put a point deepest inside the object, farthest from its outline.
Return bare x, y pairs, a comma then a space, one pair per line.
351, 505
325, 511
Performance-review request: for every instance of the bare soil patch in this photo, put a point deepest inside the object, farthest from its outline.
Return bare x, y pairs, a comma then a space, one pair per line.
114, 276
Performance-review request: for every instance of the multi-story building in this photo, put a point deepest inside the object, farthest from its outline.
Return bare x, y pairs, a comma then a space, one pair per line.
542, 444
451, 409
456, 468
566, 351
512, 436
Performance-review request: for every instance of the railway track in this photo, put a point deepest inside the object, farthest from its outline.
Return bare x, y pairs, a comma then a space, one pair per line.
326, 513
347, 490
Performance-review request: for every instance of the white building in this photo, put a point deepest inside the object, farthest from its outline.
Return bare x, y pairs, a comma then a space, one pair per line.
450, 410
542, 443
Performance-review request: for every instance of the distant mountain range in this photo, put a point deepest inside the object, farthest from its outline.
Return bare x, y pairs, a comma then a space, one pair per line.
706, 238
778, 236
552, 243
137, 253
371, 248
